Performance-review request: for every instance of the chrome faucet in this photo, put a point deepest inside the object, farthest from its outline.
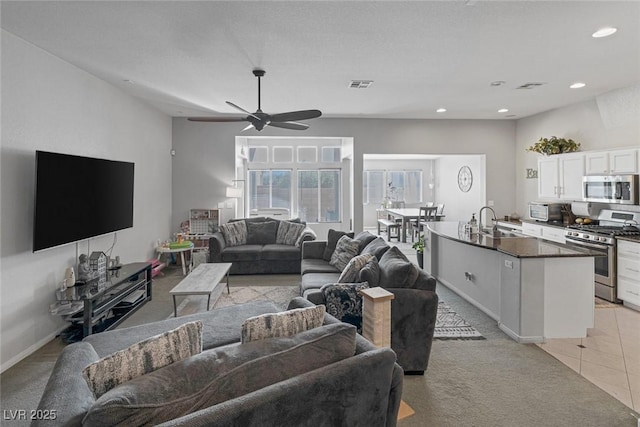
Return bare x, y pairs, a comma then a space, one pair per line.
494, 229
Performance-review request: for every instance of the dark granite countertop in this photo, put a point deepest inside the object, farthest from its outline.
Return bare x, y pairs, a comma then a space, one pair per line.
556, 224
520, 247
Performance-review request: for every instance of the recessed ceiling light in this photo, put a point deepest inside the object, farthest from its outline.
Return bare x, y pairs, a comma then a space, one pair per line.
128, 81
604, 32
497, 83
577, 85
441, 110
503, 110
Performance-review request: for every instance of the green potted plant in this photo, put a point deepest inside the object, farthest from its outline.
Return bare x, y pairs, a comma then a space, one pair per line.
554, 145
419, 247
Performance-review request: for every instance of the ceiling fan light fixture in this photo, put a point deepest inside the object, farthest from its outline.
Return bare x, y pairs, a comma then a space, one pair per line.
604, 32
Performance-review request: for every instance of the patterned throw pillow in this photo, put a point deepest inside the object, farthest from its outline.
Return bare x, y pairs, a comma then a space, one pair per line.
352, 270
289, 232
332, 240
144, 357
344, 302
235, 233
370, 273
346, 249
283, 324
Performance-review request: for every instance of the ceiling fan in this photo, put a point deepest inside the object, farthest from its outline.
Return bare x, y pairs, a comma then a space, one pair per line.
259, 119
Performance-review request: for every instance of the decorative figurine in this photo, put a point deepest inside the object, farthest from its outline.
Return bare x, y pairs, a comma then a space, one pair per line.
84, 271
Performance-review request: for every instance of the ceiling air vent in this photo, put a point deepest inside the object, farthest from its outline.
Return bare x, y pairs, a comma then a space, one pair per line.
531, 85
360, 84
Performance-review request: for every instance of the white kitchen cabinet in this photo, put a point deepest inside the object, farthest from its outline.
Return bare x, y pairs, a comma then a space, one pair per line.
629, 272
560, 176
611, 162
546, 232
531, 229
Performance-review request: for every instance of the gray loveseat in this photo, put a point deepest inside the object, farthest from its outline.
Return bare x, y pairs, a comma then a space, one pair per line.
268, 246
414, 308
362, 389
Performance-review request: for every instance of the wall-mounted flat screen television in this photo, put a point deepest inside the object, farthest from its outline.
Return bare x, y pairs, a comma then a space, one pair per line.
80, 197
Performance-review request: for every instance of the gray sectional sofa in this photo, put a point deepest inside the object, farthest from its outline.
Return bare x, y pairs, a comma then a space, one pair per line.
362, 388
264, 249
414, 308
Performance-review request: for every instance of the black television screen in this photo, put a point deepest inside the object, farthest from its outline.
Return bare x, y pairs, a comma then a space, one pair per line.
80, 197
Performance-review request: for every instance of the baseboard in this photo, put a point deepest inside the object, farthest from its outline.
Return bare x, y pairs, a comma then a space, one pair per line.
32, 349
518, 338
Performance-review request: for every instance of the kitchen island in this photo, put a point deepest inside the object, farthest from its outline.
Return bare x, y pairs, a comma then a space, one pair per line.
533, 288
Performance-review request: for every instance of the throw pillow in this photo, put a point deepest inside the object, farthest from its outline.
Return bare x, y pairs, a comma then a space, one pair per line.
364, 237
144, 357
350, 272
396, 271
235, 233
289, 232
332, 240
344, 302
370, 273
307, 232
261, 233
220, 374
283, 324
377, 247
346, 249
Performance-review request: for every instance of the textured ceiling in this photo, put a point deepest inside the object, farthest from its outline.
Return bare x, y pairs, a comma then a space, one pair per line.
188, 58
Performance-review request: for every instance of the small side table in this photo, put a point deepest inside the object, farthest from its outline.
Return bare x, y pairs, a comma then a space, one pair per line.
166, 250
376, 315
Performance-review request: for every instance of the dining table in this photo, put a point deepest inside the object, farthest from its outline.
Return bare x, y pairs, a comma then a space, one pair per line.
406, 215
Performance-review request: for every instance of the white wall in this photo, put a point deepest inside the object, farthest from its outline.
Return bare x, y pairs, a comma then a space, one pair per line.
48, 104
459, 206
204, 161
582, 122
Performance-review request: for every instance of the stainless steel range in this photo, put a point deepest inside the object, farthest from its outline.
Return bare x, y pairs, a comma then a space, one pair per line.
601, 237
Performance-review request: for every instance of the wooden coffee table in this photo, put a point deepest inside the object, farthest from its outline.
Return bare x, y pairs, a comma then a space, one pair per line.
203, 280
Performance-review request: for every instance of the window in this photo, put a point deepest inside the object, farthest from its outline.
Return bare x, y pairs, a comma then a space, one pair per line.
382, 186
269, 189
319, 195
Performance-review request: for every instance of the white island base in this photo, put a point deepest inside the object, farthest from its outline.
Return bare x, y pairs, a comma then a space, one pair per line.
542, 298
546, 291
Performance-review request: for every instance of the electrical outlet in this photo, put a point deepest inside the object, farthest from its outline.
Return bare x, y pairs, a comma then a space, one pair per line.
508, 263
490, 203
220, 205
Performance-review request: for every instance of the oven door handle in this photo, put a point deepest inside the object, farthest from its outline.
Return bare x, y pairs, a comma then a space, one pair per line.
588, 245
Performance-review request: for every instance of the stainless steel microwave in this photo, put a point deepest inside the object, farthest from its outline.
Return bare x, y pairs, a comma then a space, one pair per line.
545, 212
622, 189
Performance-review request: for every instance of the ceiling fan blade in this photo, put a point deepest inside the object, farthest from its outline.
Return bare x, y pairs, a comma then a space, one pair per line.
293, 116
217, 119
289, 125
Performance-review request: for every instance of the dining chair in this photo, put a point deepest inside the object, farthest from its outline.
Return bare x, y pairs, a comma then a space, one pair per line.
440, 209
426, 213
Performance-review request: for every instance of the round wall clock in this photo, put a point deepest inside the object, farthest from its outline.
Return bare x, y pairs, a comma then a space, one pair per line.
465, 178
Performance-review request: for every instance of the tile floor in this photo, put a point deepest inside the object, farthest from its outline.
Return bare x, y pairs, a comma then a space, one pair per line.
609, 356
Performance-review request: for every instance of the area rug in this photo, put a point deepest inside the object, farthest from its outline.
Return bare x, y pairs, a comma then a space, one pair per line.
450, 326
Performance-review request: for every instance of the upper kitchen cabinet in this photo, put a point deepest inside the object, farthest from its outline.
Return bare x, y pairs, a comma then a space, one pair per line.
560, 176
611, 162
